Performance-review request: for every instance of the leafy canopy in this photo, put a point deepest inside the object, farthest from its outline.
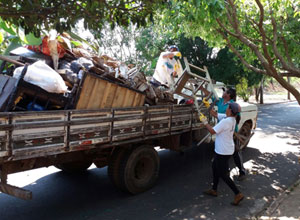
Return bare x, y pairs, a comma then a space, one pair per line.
261, 31
62, 15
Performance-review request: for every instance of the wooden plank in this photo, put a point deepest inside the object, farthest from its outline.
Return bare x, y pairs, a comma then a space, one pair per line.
136, 99
142, 101
116, 99
6, 58
126, 96
94, 99
111, 95
15, 191
196, 67
181, 82
105, 95
130, 99
84, 98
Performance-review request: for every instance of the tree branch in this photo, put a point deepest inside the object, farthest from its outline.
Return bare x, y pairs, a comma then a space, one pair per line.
284, 64
262, 32
225, 29
286, 50
236, 52
253, 23
290, 74
270, 70
235, 21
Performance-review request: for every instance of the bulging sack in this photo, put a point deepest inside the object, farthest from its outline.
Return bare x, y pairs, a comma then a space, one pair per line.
42, 75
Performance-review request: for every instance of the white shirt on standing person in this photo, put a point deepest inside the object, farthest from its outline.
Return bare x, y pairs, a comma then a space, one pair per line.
224, 144
168, 67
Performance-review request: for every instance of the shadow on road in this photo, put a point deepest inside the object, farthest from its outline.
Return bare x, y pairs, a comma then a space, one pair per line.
177, 195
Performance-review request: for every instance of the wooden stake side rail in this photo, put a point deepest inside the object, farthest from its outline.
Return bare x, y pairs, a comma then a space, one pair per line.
26, 135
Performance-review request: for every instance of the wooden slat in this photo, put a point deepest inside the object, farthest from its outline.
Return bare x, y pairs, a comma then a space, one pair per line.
135, 99
111, 95
107, 86
142, 101
118, 97
84, 98
126, 96
130, 99
15, 191
95, 97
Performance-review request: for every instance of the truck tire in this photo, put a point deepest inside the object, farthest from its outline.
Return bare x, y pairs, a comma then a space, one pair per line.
114, 166
74, 167
245, 132
139, 169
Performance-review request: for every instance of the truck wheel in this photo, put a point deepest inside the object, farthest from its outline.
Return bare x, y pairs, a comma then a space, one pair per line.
245, 132
74, 167
114, 164
139, 169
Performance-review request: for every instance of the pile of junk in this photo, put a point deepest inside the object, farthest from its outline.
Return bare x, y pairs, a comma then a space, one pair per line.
60, 74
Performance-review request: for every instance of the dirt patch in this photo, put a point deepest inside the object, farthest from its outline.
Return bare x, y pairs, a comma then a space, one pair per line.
275, 87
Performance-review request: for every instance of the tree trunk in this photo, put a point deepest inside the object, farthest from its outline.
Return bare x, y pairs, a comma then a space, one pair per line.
289, 94
256, 92
288, 87
261, 91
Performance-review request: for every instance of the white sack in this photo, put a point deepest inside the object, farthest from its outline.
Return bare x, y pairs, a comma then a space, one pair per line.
42, 75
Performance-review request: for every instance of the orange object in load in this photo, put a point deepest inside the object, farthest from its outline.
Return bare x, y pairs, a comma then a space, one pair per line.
43, 48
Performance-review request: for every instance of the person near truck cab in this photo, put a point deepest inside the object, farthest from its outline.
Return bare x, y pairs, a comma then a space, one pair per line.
167, 68
229, 96
224, 149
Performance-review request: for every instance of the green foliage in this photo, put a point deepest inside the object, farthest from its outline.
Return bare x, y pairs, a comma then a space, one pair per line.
1, 37
150, 42
222, 65
33, 16
263, 34
242, 89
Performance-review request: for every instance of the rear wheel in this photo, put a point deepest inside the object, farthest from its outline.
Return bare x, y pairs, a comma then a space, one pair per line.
74, 167
114, 166
139, 169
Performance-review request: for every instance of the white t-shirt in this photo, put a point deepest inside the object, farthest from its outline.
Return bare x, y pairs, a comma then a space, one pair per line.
164, 69
224, 144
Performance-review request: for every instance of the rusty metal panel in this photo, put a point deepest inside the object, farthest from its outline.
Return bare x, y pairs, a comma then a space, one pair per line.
3, 136
89, 128
38, 134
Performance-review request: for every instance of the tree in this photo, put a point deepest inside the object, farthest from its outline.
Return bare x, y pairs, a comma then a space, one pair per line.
262, 30
265, 31
62, 15
118, 43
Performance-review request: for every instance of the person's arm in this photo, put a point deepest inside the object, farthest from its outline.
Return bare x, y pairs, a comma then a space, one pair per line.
210, 128
171, 54
205, 91
203, 119
214, 113
168, 55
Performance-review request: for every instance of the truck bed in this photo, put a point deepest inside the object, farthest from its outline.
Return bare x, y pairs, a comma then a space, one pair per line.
25, 135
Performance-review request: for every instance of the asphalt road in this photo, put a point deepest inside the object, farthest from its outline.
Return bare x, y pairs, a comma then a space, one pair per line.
271, 159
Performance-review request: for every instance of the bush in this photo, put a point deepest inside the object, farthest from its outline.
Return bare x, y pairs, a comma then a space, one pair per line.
243, 90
